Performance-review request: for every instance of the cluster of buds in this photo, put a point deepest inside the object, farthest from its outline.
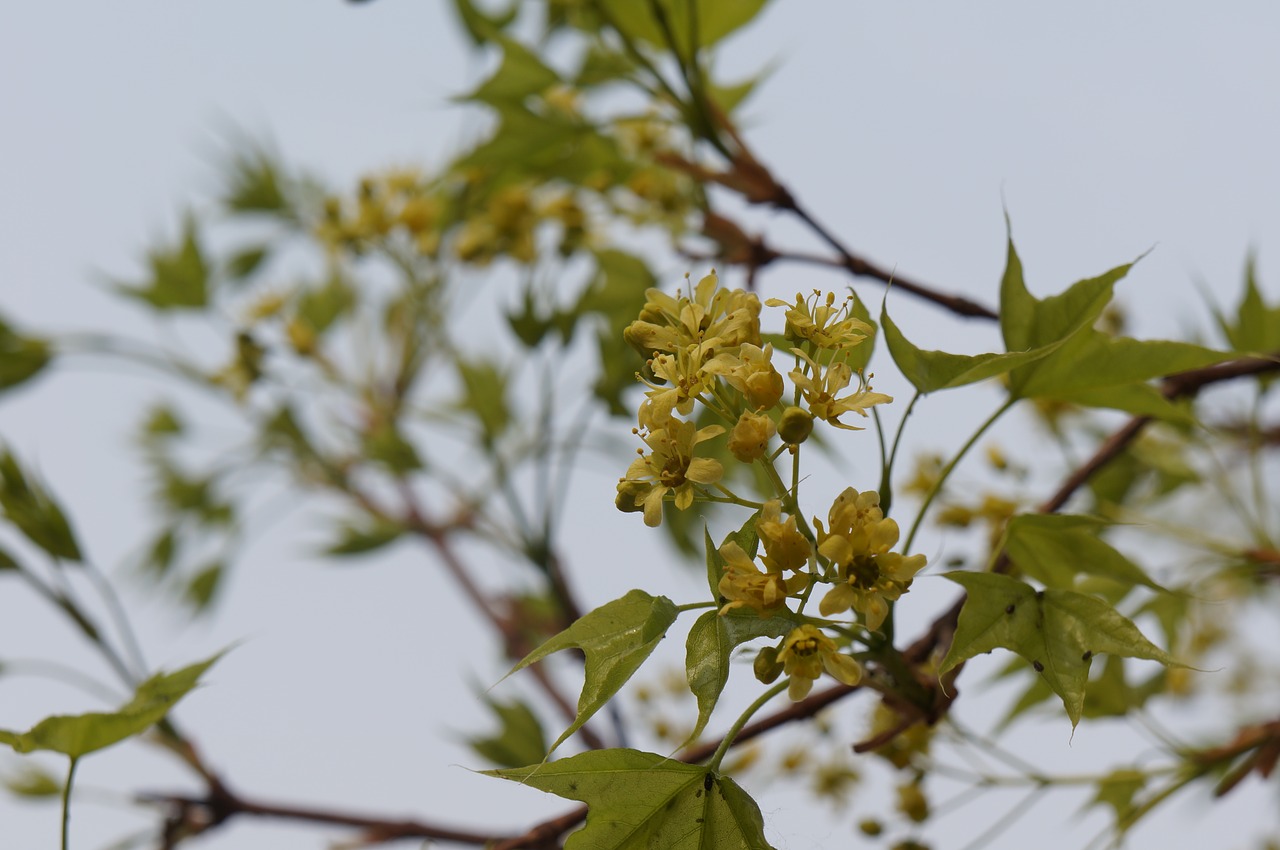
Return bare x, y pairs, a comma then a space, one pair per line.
398, 201
403, 205
706, 349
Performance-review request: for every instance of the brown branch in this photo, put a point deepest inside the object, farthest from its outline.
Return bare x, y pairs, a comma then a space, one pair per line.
861, 267
197, 814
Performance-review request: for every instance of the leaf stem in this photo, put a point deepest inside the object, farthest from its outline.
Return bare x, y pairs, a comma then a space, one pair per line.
66, 803
950, 467
727, 741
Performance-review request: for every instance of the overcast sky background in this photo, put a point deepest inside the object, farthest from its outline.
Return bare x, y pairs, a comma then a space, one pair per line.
1104, 129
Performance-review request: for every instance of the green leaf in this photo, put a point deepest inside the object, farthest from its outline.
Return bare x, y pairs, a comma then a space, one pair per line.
693, 23
521, 74
519, 741
179, 275
601, 65
244, 263
321, 306
484, 395
1257, 326
388, 446
353, 540
1057, 631
1085, 366
929, 371
254, 185
33, 782
1055, 548
79, 735
203, 586
1028, 322
1117, 789
616, 638
641, 801
709, 647
21, 357
33, 510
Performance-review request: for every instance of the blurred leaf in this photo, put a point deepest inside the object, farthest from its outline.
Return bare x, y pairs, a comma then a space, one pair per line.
244, 263
78, 735
616, 638
1056, 548
388, 446
191, 495
33, 511
640, 801
254, 185
359, 541
162, 421
203, 586
1117, 789
323, 305
21, 357
179, 275
521, 74
711, 643
519, 741
693, 23
484, 395
602, 65
1057, 631
162, 552
1110, 694
33, 782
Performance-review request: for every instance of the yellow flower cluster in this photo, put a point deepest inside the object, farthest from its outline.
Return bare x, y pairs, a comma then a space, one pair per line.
503, 222
391, 202
858, 544
705, 348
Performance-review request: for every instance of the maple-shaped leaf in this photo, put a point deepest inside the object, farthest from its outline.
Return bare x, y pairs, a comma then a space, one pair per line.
637, 801
616, 638
1058, 631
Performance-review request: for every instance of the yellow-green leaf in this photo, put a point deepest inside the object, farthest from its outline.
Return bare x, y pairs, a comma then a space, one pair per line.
711, 642
1055, 548
616, 638
1057, 631
939, 370
81, 734
642, 801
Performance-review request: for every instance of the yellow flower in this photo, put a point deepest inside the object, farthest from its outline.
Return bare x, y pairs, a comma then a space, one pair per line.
744, 585
858, 544
750, 371
806, 652
749, 439
785, 547
713, 318
671, 467
824, 325
820, 389
685, 379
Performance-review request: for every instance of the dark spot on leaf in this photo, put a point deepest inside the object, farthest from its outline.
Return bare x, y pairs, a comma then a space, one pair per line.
1039, 594
1008, 609
1039, 667
1088, 653
707, 780
573, 786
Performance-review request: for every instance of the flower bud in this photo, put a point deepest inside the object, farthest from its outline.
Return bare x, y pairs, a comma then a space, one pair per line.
796, 425
749, 439
767, 666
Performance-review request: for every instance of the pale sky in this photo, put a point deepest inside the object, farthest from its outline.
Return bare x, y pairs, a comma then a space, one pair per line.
1105, 129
